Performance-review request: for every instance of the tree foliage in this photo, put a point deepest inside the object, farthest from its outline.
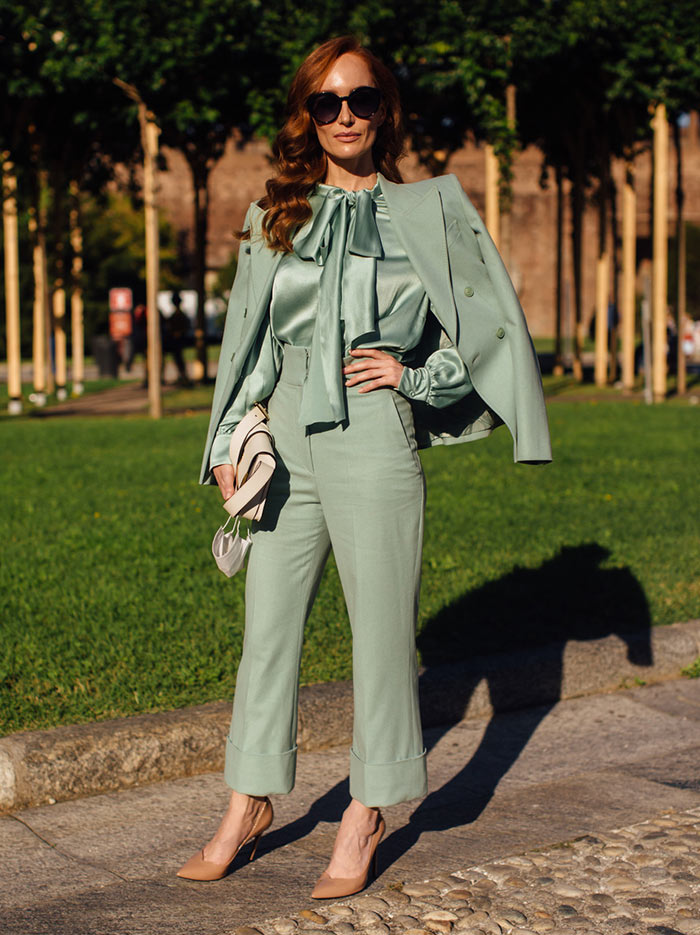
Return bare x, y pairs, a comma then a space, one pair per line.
586, 74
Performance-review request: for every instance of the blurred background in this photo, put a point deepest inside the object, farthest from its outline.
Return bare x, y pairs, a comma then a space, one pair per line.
548, 113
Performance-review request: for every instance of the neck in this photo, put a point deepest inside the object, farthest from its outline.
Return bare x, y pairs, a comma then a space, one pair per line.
351, 175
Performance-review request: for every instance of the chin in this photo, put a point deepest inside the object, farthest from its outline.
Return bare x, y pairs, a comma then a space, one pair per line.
350, 150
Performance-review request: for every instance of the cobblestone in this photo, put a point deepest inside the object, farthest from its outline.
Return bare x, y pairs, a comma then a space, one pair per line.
644, 879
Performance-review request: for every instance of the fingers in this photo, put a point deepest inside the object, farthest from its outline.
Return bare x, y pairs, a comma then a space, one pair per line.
223, 473
371, 354
376, 369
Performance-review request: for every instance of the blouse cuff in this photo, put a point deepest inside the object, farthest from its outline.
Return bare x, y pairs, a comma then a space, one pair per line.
220, 449
415, 383
442, 381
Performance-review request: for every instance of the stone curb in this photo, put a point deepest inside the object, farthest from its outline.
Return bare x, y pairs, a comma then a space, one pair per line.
39, 767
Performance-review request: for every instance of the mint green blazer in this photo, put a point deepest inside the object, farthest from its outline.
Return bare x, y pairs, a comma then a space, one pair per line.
472, 298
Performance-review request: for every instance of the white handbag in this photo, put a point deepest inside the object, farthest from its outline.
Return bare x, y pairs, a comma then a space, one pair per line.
253, 459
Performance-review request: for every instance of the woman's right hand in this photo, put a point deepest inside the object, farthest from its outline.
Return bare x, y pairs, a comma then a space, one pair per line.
223, 474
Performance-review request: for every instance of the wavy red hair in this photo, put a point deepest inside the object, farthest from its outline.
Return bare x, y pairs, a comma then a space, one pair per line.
300, 159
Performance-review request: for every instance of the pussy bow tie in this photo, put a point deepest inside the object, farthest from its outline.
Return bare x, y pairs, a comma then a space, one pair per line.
343, 227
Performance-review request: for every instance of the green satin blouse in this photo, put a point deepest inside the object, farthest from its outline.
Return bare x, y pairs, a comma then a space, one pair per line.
348, 283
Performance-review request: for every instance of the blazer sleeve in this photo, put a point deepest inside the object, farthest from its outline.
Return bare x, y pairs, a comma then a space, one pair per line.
235, 313
507, 366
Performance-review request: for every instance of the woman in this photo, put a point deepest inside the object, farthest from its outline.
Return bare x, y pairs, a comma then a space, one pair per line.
358, 303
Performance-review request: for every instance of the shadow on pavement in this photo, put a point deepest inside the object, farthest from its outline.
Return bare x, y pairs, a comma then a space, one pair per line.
569, 597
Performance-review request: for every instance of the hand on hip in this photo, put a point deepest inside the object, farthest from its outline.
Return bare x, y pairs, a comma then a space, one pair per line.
374, 369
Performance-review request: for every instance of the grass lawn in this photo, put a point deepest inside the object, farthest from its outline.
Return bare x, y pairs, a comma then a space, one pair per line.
111, 604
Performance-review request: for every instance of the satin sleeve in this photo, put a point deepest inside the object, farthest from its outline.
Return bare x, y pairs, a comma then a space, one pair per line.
255, 386
441, 381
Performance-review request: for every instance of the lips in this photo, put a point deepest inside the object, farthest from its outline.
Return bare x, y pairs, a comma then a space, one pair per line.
347, 137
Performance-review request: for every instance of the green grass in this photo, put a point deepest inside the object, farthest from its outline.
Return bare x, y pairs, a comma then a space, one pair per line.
111, 604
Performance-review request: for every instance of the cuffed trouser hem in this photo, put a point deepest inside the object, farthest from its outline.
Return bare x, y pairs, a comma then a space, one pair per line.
259, 773
378, 784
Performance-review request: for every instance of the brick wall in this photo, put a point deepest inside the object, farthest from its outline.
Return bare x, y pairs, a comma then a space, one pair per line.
240, 176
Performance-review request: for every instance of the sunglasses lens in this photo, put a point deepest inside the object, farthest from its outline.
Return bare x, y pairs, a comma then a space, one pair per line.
364, 102
325, 107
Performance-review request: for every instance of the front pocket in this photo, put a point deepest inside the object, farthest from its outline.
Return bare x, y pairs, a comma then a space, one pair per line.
404, 414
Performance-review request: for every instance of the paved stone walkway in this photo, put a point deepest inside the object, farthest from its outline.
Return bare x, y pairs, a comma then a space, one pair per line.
644, 878
519, 833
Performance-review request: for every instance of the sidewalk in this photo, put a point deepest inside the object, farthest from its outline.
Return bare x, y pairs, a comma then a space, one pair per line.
503, 792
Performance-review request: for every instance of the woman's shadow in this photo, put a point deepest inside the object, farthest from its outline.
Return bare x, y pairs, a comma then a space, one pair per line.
569, 597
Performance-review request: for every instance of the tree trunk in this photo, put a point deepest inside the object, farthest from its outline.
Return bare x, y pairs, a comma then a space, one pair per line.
629, 270
614, 259
491, 194
601, 285
43, 195
149, 142
76, 294
681, 304
38, 331
11, 238
577, 204
659, 302
59, 287
506, 220
559, 304
200, 179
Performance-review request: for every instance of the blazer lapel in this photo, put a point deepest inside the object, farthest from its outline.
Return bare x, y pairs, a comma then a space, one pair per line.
263, 263
420, 226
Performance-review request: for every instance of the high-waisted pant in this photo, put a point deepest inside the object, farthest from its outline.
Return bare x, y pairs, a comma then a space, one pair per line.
356, 487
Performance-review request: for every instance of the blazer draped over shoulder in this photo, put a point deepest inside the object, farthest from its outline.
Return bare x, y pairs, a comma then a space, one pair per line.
475, 306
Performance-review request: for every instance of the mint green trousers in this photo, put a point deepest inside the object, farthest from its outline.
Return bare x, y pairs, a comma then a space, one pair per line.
357, 488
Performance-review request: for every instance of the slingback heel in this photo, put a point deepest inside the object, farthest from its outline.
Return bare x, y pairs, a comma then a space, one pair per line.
199, 868
328, 887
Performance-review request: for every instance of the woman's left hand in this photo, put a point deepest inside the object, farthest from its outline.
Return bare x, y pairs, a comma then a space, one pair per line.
378, 367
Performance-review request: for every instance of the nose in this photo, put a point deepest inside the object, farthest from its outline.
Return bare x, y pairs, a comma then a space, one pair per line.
346, 116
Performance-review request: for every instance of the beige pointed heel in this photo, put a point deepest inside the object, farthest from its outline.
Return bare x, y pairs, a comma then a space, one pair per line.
199, 868
331, 888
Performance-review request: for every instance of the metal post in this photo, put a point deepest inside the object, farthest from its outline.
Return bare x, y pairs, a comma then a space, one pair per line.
10, 232
659, 298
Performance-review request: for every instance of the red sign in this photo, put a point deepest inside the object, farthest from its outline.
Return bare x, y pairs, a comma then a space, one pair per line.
120, 300
120, 325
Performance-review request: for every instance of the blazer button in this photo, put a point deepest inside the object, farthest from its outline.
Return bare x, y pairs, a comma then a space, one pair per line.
501, 333
468, 291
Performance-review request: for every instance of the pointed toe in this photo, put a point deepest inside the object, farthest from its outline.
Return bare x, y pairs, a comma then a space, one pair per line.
321, 886
199, 868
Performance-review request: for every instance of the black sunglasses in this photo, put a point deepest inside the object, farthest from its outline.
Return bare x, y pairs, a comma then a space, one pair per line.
325, 106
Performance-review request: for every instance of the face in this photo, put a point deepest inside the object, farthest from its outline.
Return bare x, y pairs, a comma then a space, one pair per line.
349, 138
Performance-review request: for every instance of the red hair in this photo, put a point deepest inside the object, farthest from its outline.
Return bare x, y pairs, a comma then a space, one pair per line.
300, 159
